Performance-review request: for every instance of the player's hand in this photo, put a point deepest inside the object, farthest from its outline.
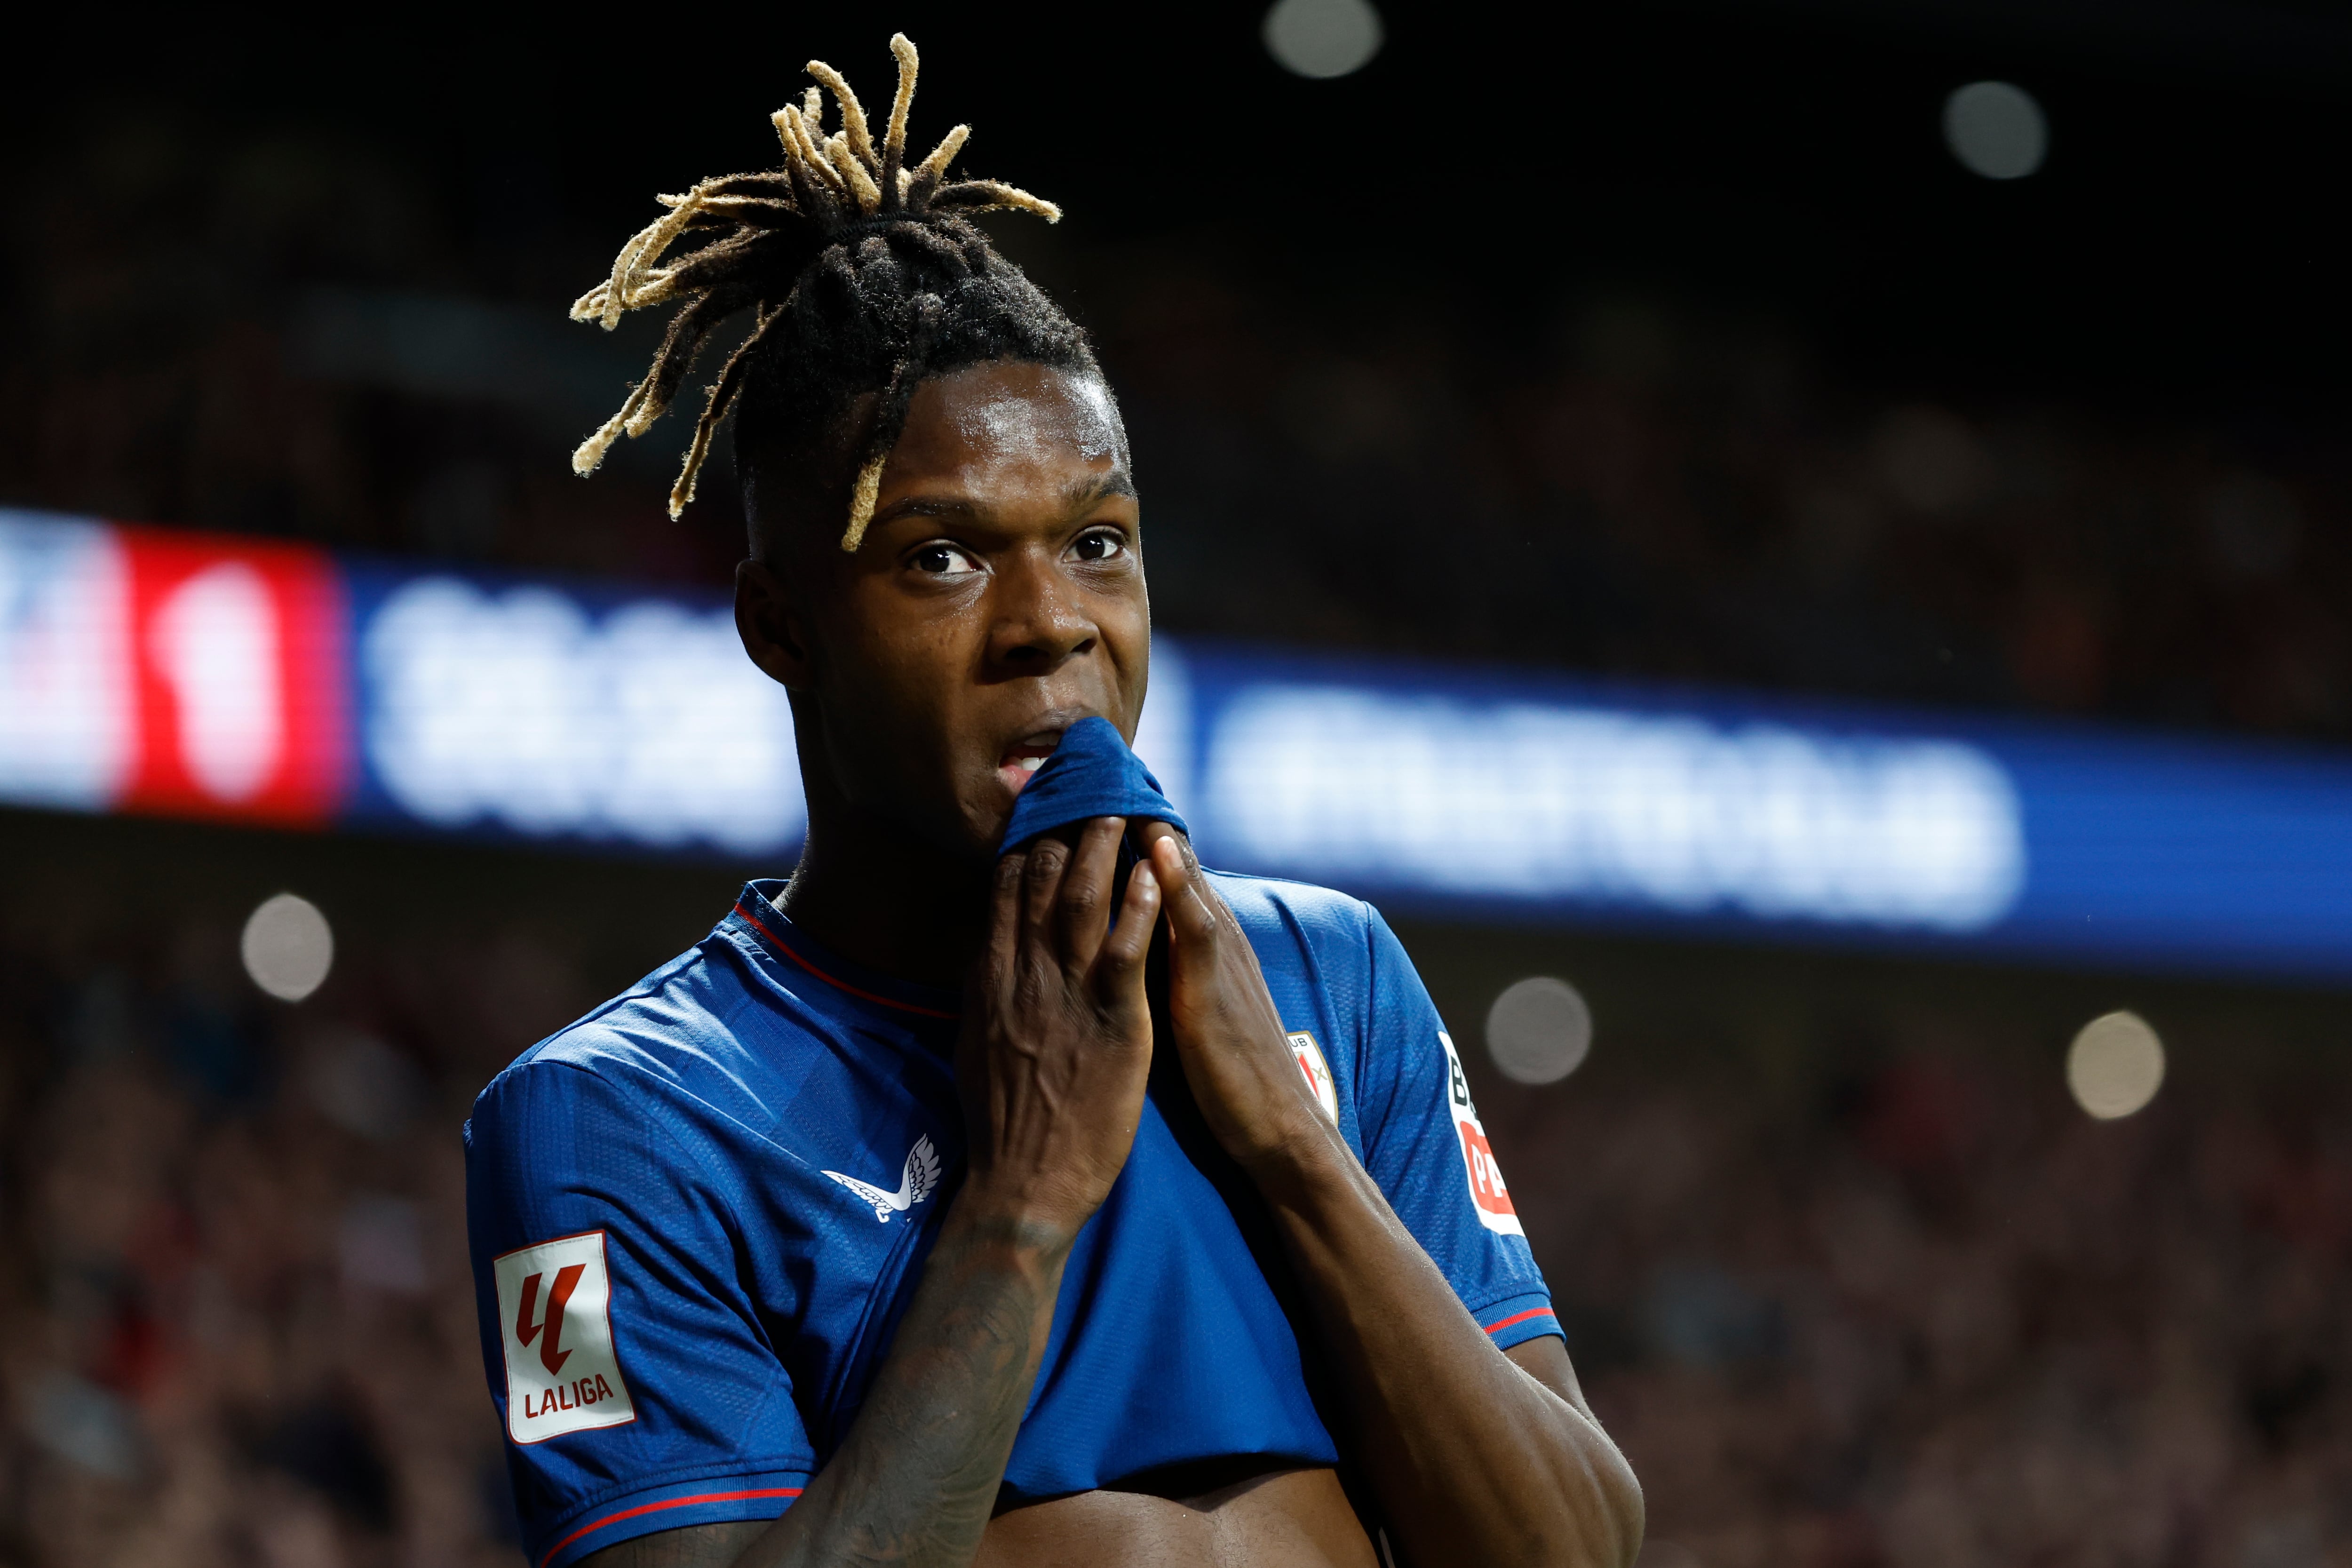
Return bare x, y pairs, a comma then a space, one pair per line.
1057, 1039
1229, 1035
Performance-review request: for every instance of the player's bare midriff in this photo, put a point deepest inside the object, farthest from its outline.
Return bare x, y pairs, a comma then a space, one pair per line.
1290, 1518
1283, 1519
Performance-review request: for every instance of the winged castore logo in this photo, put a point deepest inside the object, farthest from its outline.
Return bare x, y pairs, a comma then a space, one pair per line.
915, 1183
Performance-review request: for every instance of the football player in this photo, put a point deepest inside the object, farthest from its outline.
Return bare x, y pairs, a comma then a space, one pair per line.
1003, 1187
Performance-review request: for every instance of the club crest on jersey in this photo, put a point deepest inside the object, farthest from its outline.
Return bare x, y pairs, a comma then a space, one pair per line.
915, 1182
555, 1316
1309, 1058
1487, 1193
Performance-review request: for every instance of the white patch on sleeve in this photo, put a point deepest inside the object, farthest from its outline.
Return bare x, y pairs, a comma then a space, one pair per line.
555, 1322
1488, 1196
1310, 1056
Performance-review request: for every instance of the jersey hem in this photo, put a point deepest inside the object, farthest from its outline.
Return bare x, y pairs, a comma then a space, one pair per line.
1515, 1319
725, 1498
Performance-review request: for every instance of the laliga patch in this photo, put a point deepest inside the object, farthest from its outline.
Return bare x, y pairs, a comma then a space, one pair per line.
1309, 1058
1487, 1193
555, 1317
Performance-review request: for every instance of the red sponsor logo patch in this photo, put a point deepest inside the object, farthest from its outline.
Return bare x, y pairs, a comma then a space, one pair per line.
1488, 1194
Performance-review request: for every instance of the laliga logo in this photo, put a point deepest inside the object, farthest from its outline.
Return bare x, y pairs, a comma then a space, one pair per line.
557, 1299
563, 1375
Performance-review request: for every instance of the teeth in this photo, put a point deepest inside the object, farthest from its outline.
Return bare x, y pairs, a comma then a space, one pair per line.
1030, 764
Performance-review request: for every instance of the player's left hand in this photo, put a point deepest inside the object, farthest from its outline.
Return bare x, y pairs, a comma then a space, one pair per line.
1229, 1036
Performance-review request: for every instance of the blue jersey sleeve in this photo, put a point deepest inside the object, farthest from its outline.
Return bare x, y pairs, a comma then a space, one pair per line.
1425, 1146
636, 1380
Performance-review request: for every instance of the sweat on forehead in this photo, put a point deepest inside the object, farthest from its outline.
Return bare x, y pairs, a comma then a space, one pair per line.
992, 412
1076, 411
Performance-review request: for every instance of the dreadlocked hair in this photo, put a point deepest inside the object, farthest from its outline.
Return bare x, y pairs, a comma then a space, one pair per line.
864, 274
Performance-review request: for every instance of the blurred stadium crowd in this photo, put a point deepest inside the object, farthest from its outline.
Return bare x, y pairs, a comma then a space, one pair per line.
295, 336
1938, 1318
238, 1324
1914, 1310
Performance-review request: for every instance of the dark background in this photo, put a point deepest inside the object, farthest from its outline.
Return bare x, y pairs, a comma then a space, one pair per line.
1662, 341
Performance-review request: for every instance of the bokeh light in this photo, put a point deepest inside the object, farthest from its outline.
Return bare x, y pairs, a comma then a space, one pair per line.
287, 947
1323, 38
1995, 129
2115, 1066
1539, 1030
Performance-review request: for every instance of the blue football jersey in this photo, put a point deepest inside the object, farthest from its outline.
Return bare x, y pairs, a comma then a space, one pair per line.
698, 1214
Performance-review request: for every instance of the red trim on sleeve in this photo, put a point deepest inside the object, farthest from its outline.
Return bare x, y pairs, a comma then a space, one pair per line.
787, 949
656, 1508
1518, 1318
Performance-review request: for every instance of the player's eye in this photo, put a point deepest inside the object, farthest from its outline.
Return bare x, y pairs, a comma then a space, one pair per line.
943, 561
1102, 544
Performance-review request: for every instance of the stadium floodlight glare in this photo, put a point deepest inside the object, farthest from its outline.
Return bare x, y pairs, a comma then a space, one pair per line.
2115, 1066
1323, 38
1539, 1030
1995, 129
287, 947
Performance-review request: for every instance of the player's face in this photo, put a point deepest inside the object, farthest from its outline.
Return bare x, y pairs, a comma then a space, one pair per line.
997, 599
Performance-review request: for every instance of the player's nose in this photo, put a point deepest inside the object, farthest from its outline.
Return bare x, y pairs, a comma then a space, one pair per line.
1040, 617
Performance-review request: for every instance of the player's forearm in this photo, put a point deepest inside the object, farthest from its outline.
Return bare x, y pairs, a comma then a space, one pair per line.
916, 1481
1475, 1461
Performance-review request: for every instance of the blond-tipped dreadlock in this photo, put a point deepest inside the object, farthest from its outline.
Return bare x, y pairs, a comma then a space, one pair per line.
863, 275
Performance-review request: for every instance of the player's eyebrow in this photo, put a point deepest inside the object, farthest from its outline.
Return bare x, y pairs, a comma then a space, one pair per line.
930, 506
1083, 493
1077, 497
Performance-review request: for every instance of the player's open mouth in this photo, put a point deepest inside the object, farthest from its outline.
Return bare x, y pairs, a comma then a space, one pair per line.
1023, 760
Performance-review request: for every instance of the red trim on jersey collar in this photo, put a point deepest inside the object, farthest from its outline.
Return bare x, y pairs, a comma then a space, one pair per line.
658, 1506
787, 949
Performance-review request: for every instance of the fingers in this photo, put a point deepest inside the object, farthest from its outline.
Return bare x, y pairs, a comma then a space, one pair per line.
1051, 912
1048, 858
1003, 924
1118, 973
1191, 906
1152, 834
1081, 911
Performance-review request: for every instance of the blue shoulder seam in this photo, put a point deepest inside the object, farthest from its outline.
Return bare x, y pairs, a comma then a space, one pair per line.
716, 1190
646, 986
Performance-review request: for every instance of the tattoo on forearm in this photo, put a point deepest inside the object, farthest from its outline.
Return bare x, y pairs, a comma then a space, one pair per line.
932, 1440
917, 1482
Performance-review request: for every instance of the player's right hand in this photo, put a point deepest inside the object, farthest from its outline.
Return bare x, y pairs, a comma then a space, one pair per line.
1057, 1039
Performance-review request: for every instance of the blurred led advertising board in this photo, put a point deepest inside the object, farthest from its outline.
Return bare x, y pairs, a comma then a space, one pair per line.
203, 675
209, 676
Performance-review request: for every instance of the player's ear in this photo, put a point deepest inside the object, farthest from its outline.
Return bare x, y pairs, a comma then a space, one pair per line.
769, 623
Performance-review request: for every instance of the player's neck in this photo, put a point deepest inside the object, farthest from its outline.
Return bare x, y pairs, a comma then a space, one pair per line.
882, 901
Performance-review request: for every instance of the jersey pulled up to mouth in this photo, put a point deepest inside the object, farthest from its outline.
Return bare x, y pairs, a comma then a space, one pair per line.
1091, 773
